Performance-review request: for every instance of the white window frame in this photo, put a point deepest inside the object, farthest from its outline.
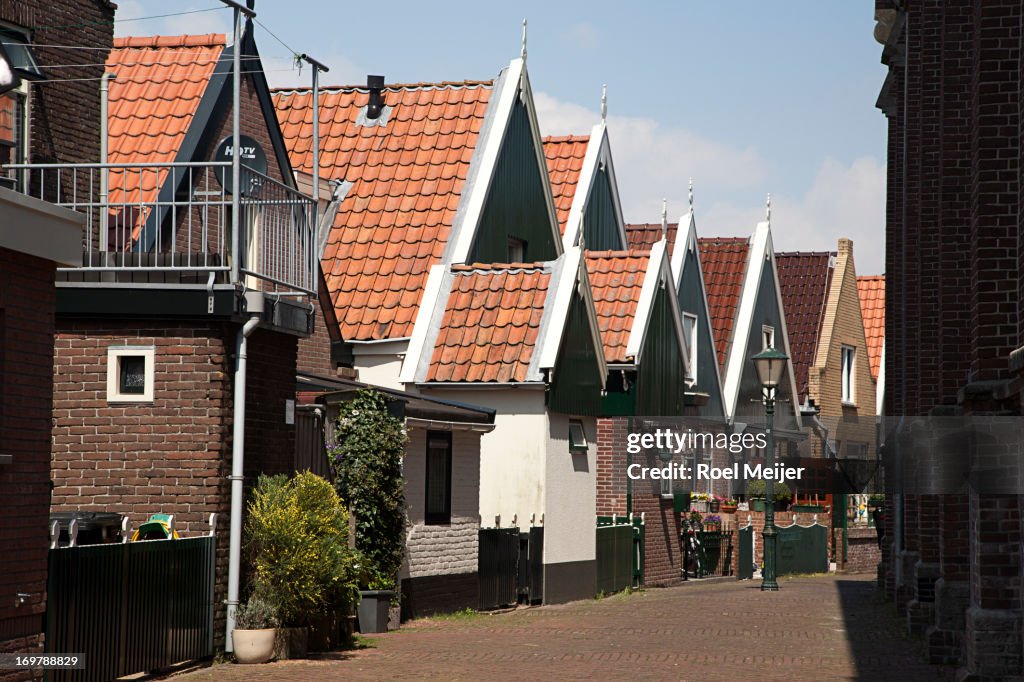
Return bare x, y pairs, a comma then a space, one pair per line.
767, 335
690, 338
575, 445
114, 355
848, 374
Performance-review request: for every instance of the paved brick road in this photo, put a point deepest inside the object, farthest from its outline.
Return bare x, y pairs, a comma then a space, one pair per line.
816, 628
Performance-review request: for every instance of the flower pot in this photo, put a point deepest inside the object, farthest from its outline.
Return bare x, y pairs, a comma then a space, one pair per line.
728, 508
253, 646
291, 643
757, 505
374, 610
713, 505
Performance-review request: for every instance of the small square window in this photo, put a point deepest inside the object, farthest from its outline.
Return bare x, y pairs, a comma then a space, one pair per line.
130, 374
577, 436
849, 362
690, 339
767, 337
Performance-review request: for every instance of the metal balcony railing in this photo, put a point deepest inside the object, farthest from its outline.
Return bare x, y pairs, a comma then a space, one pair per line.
171, 223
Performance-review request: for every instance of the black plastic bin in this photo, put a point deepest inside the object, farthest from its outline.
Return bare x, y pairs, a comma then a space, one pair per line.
94, 528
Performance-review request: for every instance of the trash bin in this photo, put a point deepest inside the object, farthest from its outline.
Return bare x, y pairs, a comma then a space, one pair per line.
94, 528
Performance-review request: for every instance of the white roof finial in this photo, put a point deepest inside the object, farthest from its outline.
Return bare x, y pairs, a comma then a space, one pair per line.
523, 52
664, 218
768, 208
604, 103
690, 195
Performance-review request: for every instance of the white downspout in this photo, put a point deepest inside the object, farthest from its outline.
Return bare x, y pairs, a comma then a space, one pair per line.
237, 470
104, 237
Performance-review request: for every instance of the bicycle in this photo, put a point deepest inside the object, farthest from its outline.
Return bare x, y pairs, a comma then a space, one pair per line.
693, 553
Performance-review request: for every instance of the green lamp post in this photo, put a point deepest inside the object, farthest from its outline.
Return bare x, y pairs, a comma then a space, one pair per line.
771, 367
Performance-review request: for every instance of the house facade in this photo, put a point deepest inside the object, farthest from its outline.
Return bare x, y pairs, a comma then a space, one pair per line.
443, 200
58, 122
174, 369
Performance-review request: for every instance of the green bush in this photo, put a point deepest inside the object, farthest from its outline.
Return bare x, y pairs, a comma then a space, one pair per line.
256, 614
368, 464
297, 533
756, 490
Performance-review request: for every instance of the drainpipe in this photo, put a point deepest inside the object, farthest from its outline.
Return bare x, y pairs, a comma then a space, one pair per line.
104, 237
254, 302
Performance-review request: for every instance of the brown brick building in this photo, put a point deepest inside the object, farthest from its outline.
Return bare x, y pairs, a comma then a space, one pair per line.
43, 121
954, 338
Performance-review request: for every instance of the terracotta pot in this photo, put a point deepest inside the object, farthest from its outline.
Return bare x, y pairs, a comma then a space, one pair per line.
253, 646
728, 508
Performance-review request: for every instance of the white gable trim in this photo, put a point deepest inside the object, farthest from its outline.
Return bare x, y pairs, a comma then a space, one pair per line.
428, 322
570, 276
658, 275
880, 382
761, 249
598, 152
513, 83
685, 241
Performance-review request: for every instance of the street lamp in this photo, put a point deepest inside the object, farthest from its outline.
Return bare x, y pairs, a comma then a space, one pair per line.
771, 366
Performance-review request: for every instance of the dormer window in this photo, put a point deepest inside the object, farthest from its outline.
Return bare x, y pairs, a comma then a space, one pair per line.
767, 337
690, 338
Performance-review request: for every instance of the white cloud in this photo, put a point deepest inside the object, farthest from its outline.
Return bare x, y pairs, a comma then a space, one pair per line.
843, 201
653, 160
583, 35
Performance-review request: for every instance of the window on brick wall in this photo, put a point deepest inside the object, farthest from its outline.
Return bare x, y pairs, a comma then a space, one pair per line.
130, 373
17, 68
439, 478
849, 360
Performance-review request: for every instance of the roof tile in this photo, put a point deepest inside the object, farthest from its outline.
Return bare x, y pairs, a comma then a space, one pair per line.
643, 236
804, 280
872, 307
490, 324
406, 182
565, 156
724, 262
616, 279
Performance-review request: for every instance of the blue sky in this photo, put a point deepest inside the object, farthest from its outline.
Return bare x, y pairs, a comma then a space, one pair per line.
747, 97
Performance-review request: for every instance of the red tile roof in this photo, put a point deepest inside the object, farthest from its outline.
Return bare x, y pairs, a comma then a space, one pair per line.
616, 278
724, 262
565, 161
872, 307
804, 280
643, 236
153, 98
406, 182
490, 324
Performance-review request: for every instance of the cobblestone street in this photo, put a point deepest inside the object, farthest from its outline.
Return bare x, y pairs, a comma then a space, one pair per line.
814, 628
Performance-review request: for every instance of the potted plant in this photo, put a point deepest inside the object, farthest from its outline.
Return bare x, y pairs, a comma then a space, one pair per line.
253, 634
713, 523
297, 531
729, 506
756, 494
367, 460
713, 505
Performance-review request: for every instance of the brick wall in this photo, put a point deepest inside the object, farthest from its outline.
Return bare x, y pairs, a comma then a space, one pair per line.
611, 465
172, 455
862, 552
26, 358
315, 351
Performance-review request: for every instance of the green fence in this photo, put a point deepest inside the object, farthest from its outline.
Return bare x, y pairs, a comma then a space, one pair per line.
130, 608
611, 553
802, 549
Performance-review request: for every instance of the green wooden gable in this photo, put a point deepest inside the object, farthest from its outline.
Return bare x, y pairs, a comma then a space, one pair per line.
576, 385
661, 376
600, 227
516, 207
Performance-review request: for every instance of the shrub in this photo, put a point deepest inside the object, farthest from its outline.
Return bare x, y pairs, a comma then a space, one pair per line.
756, 490
297, 532
256, 614
368, 465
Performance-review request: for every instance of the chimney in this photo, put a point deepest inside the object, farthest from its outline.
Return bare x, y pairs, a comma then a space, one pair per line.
375, 84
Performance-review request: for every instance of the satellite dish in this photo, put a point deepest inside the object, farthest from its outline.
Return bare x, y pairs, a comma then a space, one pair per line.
252, 158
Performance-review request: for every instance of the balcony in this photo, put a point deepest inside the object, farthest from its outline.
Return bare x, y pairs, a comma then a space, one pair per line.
169, 226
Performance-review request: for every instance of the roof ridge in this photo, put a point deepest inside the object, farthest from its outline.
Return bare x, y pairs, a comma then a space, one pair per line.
158, 41
565, 138
806, 253
618, 253
422, 85
637, 226
539, 266
871, 277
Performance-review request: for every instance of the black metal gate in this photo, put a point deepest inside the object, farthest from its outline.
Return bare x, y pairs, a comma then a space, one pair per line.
130, 608
510, 566
310, 450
